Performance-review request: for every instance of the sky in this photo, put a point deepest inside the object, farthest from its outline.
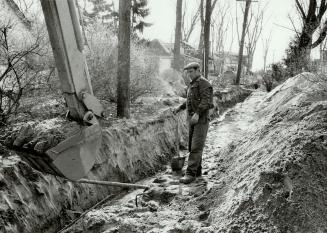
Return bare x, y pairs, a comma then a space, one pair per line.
277, 23
162, 16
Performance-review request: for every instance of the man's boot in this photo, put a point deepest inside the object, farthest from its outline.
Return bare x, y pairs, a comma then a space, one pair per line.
186, 179
199, 172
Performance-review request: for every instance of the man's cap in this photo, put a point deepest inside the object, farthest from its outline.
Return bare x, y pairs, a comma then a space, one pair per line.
191, 65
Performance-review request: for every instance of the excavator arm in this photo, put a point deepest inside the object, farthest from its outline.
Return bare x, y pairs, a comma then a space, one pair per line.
61, 17
74, 157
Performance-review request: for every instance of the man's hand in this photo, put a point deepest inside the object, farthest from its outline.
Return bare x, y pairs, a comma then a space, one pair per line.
194, 119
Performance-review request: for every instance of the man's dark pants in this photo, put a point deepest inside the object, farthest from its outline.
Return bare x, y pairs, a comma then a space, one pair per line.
197, 138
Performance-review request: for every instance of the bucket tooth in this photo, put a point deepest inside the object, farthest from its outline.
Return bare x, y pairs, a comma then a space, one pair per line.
75, 156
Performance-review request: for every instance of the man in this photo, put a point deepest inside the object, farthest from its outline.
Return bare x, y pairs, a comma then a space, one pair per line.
199, 101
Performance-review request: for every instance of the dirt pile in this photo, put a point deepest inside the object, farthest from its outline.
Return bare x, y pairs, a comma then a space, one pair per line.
275, 176
265, 169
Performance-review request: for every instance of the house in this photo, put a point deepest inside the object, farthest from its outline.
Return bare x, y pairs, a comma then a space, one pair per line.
165, 53
228, 61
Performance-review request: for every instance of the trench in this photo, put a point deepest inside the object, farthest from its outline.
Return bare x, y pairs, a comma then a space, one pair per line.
264, 170
131, 151
160, 209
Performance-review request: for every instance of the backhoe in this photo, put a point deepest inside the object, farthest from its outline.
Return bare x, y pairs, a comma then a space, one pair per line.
75, 156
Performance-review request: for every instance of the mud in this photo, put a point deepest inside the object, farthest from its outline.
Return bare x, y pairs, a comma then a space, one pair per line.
131, 150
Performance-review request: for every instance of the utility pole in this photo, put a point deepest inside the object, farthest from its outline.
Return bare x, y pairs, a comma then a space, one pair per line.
240, 53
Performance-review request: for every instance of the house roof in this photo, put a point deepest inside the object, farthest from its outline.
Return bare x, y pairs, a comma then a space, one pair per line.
231, 54
168, 48
160, 48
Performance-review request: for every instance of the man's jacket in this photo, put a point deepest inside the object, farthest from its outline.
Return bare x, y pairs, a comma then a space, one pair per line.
199, 98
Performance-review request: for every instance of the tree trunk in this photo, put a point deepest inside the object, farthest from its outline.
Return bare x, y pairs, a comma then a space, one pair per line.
240, 54
266, 44
250, 63
178, 36
305, 43
264, 62
123, 74
200, 47
207, 38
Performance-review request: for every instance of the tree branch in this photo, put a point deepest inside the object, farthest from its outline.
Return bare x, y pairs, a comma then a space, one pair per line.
300, 8
213, 6
321, 37
322, 9
293, 25
312, 11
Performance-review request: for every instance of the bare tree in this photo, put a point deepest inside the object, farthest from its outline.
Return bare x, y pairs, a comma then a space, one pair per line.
311, 21
207, 24
189, 23
206, 34
200, 46
253, 32
311, 13
18, 68
223, 24
265, 45
202, 20
178, 35
123, 74
240, 54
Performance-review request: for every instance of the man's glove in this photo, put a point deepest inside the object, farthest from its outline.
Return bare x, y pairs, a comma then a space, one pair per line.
195, 118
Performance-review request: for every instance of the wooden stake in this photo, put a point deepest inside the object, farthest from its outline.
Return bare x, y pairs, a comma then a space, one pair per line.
110, 183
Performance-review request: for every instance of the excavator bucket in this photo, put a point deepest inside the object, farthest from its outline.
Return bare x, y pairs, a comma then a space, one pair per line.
74, 157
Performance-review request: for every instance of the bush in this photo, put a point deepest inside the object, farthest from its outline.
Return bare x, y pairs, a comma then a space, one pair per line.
144, 72
277, 74
102, 62
22, 63
297, 59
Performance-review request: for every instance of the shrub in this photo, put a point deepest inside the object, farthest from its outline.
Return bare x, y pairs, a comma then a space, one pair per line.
102, 62
276, 74
21, 65
144, 72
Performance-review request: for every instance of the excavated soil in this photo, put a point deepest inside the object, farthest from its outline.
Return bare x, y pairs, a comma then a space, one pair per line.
131, 150
265, 170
